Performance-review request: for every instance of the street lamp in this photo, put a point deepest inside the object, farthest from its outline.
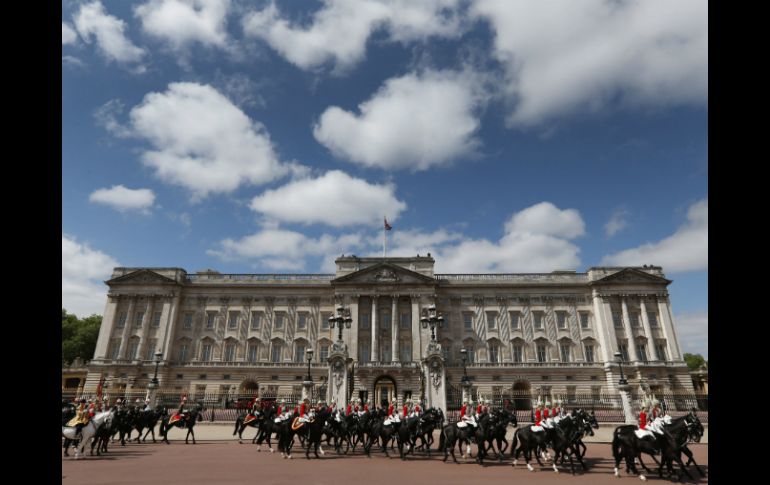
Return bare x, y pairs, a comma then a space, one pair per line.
309, 353
342, 319
430, 317
158, 357
464, 353
619, 358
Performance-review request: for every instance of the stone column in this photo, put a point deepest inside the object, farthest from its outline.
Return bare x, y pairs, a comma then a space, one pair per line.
168, 324
648, 330
127, 327
146, 322
352, 334
416, 340
604, 329
108, 324
669, 333
394, 330
307, 390
625, 398
434, 373
629, 335
375, 340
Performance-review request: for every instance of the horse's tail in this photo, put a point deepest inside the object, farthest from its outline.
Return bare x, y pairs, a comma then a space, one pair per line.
238, 422
442, 440
515, 441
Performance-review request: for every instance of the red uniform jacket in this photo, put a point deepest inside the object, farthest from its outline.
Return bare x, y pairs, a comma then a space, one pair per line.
91, 410
366, 408
347, 410
478, 409
296, 410
554, 413
278, 411
417, 409
462, 410
642, 420
406, 410
538, 417
302, 410
356, 408
545, 413
390, 410
655, 413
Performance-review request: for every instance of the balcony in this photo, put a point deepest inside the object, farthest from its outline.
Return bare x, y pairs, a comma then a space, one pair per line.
527, 365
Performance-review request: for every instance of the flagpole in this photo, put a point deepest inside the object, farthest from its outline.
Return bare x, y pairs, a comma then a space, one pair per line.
383, 238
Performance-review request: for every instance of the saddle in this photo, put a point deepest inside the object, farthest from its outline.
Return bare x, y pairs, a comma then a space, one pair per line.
176, 417
249, 418
641, 433
297, 424
537, 429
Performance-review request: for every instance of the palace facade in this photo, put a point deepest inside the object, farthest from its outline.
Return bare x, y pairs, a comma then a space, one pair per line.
556, 333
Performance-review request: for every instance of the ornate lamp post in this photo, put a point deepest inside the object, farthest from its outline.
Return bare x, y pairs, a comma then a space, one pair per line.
619, 358
309, 354
340, 382
430, 317
625, 396
152, 387
342, 319
465, 382
158, 357
307, 384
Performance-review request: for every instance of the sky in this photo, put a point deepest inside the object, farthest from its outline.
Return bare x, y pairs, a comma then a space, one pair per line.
501, 136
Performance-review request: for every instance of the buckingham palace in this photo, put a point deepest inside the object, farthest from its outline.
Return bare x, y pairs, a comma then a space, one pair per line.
556, 332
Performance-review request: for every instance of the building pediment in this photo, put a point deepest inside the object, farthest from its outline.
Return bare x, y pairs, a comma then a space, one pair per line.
384, 273
631, 275
143, 277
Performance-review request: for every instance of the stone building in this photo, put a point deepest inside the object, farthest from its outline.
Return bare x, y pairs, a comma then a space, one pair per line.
551, 333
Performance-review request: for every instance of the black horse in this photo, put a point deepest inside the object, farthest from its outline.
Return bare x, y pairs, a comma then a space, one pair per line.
286, 432
378, 431
255, 420
147, 419
267, 426
315, 430
501, 418
190, 418
530, 441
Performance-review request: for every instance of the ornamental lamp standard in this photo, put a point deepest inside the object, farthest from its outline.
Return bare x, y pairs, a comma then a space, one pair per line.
342, 319
432, 318
309, 353
464, 354
619, 358
158, 357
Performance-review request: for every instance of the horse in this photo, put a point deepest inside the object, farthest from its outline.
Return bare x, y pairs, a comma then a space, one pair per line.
563, 438
147, 419
267, 426
314, 432
498, 430
432, 418
694, 433
191, 417
286, 431
240, 424
452, 434
87, 432
530, 440
68, 411
378, 431
625, 444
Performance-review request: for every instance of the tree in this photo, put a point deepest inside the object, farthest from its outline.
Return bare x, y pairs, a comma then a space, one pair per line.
694, 361
78, 336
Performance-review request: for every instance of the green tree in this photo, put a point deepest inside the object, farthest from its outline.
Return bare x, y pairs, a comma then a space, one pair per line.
78, 336
694, 361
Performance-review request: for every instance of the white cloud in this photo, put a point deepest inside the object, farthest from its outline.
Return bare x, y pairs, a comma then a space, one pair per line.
536, 239
124, 199
616, 223
685, 250
693, 332
203, 142
564, 56
82, 271
336, 199
339, 31
185, 22
68, 35
93, 20
71, 61
283, 249
415, 121
107, 116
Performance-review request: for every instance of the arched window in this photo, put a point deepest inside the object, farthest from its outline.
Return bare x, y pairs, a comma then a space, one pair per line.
230, 347
493, 345
207, 349
252, 349
300, 346
470, 346
518, 350
590, 349
276, 349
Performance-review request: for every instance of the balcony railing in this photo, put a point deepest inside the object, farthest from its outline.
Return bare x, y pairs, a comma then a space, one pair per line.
246, 278
523, 277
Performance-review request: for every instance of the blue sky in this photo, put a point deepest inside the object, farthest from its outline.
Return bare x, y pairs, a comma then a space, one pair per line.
500, 136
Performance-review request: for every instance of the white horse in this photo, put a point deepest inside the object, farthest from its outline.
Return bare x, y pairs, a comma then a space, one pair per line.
87, 432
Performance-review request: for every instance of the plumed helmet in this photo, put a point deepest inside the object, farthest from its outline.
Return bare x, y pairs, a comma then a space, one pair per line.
138, 400
184, 399
283, 401
655, 402
395, 400
147, 401
118, 401
547, 403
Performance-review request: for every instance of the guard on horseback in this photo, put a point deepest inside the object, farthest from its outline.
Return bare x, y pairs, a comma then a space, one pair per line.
416, 410
81, 418
392, 414
657, 418
466, 416
180, 414
303, 410
538, 426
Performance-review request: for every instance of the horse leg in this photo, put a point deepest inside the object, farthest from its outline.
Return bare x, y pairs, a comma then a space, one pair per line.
691, 459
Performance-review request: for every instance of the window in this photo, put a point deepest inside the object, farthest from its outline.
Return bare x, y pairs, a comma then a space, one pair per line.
634, 317
206, 353
623, 348
641, 351
385, 353
584, 320
150, 353
653, 318
156, 319
468, 321
256, 320
363, 351
279, 320
617, 320
542, 355
561, 320
565, 350
571, 393
494, 352
211, 318
660, 348
115, 349
406, 320
325, 321
299, 354
121, 320
183, 353
589, 353
252, 356
364, 320
230, 353
232, 322
406, 352
471, 354
385, 320
187, 321
518, 353
323, 352
275, 355
491, 323
538, 320
515, 320
139, 318
445, 349
302, 322
132, 350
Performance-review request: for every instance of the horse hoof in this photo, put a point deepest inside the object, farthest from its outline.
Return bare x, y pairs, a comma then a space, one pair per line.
529, 467
642, 478
240, 442
289, 457
555, 469
514, 462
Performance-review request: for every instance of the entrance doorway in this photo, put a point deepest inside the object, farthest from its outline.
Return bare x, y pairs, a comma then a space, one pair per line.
522, 396
384, 391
